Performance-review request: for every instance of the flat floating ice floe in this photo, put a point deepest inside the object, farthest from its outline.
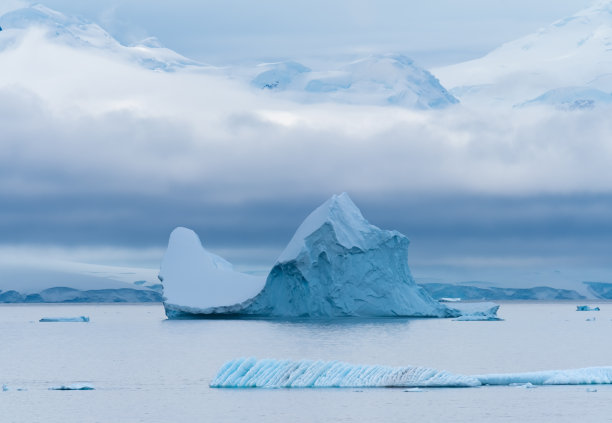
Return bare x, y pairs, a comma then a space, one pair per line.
586, 308
65, 319
73, 387
271, 373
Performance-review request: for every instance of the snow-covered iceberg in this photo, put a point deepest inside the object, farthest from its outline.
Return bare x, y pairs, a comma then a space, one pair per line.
269, 373
338, 264
197, 282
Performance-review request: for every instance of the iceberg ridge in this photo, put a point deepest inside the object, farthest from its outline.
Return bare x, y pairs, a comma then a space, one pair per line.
253, 373
270, 373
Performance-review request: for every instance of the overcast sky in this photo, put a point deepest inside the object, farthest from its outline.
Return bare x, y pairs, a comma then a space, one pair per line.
102, 155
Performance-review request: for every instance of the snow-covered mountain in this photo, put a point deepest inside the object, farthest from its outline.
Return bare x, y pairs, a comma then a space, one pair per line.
374, 80
572, 52
80, 33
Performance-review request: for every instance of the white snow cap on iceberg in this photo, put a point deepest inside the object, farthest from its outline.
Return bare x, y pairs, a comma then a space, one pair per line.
342, 214
196, 280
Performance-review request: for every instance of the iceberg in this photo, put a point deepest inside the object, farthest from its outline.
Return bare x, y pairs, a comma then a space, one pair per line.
197, 282
253, 373
65, 319
586, 308
477, 312
338, 264
73, 387
270, 373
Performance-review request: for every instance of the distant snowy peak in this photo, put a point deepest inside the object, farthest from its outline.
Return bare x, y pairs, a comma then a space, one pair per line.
375, 80
571, 52
78, 32
279, 75
342, 215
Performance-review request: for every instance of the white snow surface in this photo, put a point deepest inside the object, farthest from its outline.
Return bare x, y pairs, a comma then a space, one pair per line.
572, 52
197, 281
81, 33
384, 79
270, 373
344, 217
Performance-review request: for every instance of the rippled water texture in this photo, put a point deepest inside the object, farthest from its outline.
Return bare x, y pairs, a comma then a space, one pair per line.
146, 368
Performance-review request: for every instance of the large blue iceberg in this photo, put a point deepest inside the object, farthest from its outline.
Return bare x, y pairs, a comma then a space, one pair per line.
253, 373
337, 264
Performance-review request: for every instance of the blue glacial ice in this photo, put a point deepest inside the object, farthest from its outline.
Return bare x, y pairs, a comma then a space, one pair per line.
270, 373
477, 311
336, 265
253, 373
65, 319
586, 308
73, 387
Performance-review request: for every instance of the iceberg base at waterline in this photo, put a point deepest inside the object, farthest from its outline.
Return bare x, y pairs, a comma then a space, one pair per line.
270, 373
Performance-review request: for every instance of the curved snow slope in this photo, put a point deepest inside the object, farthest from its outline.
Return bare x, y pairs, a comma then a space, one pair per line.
82, 33
253, 373
197, 281
338, 264
574, 51
377, 79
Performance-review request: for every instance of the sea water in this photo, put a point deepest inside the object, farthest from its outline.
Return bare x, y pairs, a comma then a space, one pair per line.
148, 369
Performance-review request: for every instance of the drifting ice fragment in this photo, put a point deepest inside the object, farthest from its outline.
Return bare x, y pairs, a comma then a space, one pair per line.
73, 387
586, 308
477, 312
253, 373
65, 319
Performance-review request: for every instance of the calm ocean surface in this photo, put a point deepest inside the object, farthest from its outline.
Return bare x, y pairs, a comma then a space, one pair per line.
148, 369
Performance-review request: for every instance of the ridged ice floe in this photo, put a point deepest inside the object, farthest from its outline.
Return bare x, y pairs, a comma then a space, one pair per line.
271, 373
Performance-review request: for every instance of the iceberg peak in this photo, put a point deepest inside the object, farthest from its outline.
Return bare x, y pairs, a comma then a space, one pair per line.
344, 218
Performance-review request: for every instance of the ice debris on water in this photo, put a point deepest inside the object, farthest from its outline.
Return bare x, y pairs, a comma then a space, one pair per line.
73, 387
65, 319
586, 308
270, 373
477, 312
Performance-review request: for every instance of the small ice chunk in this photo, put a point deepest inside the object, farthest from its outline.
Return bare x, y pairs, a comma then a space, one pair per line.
527, 385
591, 389
65, 319
475, 312
5, 388
586, 308
73, 387
414, 390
